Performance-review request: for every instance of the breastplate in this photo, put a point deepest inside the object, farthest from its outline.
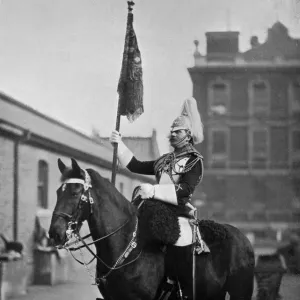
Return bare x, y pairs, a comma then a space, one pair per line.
179, 165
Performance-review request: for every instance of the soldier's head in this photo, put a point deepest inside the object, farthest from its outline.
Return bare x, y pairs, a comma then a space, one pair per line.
180, 133
187, 128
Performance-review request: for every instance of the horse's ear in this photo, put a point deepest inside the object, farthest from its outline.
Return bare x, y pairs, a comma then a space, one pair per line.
61, 166
75, 165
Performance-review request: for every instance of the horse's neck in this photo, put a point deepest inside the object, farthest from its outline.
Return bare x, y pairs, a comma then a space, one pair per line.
115, 219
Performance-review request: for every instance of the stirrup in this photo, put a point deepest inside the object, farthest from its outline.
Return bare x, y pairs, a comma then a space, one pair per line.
167, 289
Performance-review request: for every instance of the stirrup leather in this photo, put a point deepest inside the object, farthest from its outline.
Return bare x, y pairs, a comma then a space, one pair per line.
200, 244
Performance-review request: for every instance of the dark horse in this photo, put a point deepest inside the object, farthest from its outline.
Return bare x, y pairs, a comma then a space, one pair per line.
130, 262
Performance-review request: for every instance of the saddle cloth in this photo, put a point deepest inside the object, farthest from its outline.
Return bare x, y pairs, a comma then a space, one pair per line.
186, 236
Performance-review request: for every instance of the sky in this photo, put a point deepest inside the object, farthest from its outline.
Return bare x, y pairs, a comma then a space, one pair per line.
63, 57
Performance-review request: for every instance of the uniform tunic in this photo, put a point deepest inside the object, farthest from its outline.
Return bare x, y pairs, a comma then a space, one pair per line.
184, 170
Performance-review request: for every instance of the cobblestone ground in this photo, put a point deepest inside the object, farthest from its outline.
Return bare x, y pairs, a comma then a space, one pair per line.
79, 288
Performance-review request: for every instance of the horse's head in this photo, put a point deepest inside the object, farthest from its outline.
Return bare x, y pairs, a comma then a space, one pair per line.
73, 204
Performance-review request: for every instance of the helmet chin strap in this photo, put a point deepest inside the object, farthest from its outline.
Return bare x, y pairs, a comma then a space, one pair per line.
181, 140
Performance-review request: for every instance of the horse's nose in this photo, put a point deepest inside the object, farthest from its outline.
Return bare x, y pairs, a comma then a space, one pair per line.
55, 236
51, 233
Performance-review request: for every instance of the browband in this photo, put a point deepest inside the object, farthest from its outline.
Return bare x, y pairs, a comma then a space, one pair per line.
74, 180
86, 183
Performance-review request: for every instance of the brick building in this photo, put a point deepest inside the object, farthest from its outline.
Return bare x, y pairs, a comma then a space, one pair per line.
250, 105
30, 144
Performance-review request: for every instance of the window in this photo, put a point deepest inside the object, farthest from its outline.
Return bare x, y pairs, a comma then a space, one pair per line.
259, 95
295, 97
219, 195
295, 153
260, 190
296, 141
259, 148
219, 98
219, 143
42, 184
239, 146
219, 148
279, 146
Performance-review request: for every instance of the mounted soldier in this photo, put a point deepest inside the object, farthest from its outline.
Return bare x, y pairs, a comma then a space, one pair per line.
177, 173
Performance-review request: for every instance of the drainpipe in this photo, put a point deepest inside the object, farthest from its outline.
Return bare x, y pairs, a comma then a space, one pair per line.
19, 140
20, 135
16, 184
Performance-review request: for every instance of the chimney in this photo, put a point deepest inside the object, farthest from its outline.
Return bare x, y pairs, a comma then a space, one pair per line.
254, 41
222, 45
196, 53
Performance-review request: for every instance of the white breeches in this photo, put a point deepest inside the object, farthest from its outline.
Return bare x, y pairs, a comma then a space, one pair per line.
186, 234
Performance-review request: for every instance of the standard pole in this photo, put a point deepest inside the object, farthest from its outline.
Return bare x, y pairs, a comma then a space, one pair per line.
115, 155
194, 254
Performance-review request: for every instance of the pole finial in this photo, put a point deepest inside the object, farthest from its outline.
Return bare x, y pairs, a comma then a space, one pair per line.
130, 5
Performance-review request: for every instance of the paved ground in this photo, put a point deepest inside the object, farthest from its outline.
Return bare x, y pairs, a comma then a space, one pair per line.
79, 288
75, 289
290, 287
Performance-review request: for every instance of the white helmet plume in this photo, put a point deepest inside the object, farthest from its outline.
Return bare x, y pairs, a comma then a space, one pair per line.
190, 119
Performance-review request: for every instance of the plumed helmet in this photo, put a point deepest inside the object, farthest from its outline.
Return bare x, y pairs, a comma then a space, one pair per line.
190, 119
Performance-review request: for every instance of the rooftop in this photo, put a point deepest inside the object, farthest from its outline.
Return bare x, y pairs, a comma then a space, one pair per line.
279, 50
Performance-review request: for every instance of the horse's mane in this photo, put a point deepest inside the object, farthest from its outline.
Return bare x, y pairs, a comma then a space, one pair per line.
100, 183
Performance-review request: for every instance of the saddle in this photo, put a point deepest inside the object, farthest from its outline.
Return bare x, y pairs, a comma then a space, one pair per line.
166, 224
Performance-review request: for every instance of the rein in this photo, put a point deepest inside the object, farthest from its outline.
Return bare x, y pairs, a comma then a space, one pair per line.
71, 231
119, 262
94, 242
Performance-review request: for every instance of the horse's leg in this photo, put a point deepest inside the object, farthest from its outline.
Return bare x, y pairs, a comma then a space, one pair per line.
220, 296
101, 288
240, 286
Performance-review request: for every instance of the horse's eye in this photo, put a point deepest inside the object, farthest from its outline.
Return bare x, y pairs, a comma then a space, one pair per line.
74, 194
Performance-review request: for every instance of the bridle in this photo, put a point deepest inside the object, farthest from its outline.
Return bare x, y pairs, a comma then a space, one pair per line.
73, 230
85, 197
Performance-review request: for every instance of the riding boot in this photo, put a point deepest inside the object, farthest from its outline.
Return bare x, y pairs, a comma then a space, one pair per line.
179, 266
166, 289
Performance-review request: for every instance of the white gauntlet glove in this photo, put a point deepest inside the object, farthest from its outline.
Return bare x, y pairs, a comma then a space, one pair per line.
146, 191
124, 154
162, 192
